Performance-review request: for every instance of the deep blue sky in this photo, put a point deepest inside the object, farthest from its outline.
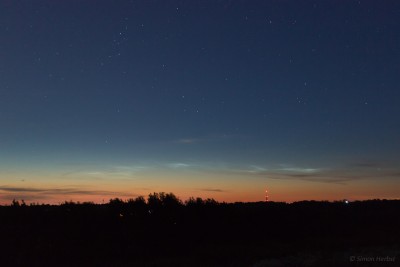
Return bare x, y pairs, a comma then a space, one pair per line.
284, 90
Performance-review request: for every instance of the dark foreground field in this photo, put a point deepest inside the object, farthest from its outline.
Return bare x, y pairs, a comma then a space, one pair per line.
164, 232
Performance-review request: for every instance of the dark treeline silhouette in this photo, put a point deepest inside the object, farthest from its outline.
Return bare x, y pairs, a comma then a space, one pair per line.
162, 230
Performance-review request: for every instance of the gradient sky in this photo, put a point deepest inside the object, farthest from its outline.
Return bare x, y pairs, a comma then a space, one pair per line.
221, 99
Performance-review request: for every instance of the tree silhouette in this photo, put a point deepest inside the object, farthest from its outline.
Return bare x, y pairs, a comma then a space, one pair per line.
137, 206
124, 232
154, 201
15, 203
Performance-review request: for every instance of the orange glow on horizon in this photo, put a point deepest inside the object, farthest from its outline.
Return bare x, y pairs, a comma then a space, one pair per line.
56, 188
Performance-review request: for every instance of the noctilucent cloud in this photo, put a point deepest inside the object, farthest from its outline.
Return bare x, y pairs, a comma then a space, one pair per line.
218, 99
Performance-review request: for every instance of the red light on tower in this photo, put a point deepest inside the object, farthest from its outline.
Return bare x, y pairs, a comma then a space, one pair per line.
266, 195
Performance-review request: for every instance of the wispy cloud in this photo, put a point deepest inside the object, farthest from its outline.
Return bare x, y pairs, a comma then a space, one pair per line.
101, 173
187, 140
55, 191
341, 176
256, 169
57, 195
336, 175
299, 170
321, 177
368, 164
178, 165
212, 190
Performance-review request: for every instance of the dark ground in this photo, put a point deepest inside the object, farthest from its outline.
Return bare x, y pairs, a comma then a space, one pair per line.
164, 232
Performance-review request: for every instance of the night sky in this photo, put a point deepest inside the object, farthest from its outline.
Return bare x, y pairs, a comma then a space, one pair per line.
219, 99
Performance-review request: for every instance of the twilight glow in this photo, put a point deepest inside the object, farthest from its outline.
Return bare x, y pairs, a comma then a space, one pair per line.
199, 98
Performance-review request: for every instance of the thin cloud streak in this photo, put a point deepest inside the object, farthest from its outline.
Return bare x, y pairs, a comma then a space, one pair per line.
106, 173
57, 195
213, 190
335, 176
187, 141
55, 191
300, 170
178, 165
